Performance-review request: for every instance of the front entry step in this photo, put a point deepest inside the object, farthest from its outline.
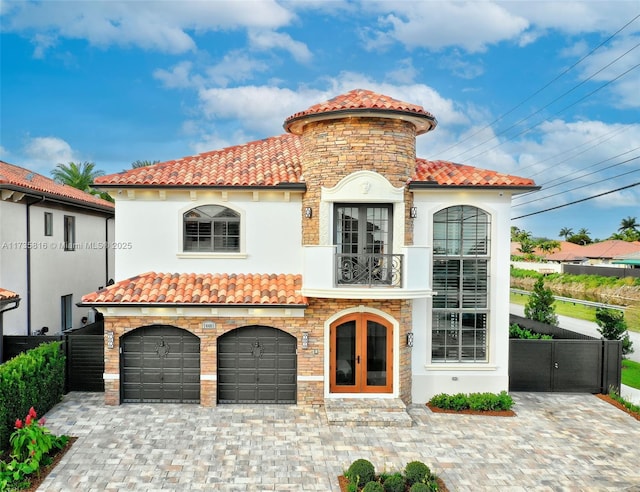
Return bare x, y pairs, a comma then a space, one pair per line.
372, 412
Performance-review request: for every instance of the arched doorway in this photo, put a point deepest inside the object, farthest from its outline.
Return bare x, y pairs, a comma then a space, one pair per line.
361, 354
160, 364
257, 364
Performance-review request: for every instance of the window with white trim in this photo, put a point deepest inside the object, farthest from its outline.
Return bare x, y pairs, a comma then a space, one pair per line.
461, 261
211, 228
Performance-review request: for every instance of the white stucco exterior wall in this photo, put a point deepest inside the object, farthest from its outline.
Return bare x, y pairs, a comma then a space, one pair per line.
152, 230
430, 379
54, 271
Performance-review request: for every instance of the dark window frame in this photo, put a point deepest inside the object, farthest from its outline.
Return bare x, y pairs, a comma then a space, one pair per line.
211, 228
461, 273
69, 233
48, 223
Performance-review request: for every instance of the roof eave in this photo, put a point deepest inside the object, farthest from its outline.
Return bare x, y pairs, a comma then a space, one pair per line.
302, 187
52, 197
423, 122
190, 305
429, 185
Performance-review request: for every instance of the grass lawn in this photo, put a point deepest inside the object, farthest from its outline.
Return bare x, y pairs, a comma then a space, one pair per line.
631, 373
578, 311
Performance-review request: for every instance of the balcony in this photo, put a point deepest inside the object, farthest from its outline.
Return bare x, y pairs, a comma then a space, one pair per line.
329, 274
369, 269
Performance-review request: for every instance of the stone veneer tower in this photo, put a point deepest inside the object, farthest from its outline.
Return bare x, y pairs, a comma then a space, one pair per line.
357, 131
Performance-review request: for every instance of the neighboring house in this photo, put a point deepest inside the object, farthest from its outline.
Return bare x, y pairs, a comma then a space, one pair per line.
326, 262
8, 302
53, 249
603, 253
631, 260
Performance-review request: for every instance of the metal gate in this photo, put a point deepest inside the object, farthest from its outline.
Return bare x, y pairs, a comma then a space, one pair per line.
85, 358
582, 366
257, 364
160, 364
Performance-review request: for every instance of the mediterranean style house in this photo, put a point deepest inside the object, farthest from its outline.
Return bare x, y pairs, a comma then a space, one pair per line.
328, 262
54, 247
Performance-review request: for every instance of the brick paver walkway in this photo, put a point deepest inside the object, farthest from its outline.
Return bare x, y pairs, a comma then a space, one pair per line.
556, 442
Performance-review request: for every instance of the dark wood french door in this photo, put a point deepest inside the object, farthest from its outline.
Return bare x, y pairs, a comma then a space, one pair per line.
361, 355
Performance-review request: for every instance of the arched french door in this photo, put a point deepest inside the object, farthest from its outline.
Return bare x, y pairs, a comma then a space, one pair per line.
361, 354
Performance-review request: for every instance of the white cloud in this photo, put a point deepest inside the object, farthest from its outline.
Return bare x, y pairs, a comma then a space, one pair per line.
178, 77
44, 153
435, 25
236, 66
161, 26
267, 40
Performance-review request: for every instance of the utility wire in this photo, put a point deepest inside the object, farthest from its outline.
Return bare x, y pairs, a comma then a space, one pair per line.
576, 201
543, 87
522, 120
608, 136
544, 185
585, 185
526, 130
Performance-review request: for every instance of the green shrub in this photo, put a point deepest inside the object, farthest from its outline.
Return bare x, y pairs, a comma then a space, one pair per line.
473, 401
516, 331
360, 472
32, 379
420, 487
416, 471
373, 487
394, 483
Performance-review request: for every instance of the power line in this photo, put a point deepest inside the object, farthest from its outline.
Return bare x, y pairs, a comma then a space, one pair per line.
543, 87
557, 112
585, 185
608, 136
522, 120
576, 201
581, 176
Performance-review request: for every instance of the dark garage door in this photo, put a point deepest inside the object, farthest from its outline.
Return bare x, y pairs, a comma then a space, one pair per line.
256, 364
160, 364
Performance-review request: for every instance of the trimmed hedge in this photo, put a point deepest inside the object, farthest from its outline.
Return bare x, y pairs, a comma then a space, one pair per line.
32, 379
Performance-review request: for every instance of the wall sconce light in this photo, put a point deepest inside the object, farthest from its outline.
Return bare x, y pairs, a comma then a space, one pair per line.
308, 212
410, 339
110, 339
305, 340
413, 212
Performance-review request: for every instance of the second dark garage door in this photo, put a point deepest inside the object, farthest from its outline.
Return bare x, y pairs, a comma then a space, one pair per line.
160, 364
257, 364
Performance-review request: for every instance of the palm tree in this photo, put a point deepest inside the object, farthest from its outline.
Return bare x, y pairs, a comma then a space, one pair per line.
565, 232
629, 224
79, 175
549, 246
138, 163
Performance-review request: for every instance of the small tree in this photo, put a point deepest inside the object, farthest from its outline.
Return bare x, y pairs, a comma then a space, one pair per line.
614, 327
540, 305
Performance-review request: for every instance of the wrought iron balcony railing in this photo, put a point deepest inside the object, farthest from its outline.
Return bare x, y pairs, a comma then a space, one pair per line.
369, 269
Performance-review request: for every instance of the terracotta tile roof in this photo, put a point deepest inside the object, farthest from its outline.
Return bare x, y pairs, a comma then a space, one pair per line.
275, 161
361, 99
19, 177
446, 173
7, 295
610, 249
269, 162
203, 289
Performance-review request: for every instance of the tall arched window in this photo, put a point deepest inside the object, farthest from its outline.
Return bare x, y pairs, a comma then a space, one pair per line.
211, 228
461, 261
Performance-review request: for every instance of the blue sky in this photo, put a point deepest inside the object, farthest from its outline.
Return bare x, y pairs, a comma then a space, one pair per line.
544, 89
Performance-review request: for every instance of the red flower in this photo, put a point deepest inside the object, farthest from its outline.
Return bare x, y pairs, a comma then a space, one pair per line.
28, 420
18, 424
32, 413
42, 421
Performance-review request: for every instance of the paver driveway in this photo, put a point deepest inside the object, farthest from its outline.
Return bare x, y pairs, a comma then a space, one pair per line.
556, 442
